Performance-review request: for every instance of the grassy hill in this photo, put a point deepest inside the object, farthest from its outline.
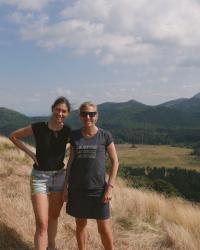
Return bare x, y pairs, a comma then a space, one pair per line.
142, 220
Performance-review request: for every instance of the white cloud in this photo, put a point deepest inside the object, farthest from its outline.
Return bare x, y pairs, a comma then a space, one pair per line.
34, 5
132, 89
122, 31
191, 86
138, 84
63, 92
163, 79
108, 94
29, 20
179, 23
120, 94
95, 10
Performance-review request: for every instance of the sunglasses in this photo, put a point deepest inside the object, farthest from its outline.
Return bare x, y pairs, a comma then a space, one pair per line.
85, 114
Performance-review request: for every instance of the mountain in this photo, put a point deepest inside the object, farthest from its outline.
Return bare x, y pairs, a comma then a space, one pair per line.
173, 102
135, 122
176, 121
112, 114
185, 104
197, 96
11, 120
131, 104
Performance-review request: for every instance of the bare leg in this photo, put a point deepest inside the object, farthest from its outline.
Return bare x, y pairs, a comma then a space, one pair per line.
105, 232
81, 233
55, 205
40, 208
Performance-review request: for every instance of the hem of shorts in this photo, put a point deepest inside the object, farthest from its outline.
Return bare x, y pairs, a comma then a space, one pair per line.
40, 192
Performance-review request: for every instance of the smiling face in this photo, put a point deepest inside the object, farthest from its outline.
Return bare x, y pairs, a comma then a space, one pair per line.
88, 115
60, 112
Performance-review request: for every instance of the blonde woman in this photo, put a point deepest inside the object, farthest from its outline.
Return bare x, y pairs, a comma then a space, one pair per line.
88, 192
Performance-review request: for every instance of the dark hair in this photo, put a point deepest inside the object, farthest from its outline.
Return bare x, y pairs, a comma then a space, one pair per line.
61, 100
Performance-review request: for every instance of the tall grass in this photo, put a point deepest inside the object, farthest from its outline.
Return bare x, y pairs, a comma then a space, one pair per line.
175, 221
141, 220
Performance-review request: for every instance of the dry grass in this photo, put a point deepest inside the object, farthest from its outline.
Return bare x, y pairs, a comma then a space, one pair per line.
141, 220
157, 156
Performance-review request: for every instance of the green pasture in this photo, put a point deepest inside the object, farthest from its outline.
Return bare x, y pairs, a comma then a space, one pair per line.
157, 156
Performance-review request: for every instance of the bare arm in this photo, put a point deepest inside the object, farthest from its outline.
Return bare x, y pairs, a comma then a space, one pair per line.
115, 163
16, 136
71, 157
113, 173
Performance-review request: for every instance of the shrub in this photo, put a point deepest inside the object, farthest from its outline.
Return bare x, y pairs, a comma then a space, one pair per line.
165, 187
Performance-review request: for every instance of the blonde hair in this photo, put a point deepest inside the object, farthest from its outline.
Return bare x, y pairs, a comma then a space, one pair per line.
86, 104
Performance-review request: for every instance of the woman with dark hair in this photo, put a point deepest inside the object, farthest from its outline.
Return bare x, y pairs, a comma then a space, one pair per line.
88, 194
48, 175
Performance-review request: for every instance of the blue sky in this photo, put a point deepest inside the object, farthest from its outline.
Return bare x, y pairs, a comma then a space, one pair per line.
97, 50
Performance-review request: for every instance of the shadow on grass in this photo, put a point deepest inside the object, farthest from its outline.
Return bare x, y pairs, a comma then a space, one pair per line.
11, 240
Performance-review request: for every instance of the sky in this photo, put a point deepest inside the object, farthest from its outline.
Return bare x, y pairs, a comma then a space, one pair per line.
97, 50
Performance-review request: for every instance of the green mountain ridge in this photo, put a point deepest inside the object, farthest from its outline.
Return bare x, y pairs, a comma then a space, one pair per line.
185, 104
11, 120
132, 121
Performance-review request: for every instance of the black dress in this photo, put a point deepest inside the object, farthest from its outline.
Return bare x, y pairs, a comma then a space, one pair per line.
87, 176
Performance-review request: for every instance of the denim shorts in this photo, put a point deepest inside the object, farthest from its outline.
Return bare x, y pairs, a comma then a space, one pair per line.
47, 181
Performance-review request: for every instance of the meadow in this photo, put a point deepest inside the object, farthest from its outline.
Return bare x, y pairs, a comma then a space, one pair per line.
142, 220
157, 156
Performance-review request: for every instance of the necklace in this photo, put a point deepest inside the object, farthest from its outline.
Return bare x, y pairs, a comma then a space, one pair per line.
55, 133
55, 129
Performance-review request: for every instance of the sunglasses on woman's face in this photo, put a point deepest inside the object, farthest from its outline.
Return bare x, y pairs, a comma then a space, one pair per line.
85, 114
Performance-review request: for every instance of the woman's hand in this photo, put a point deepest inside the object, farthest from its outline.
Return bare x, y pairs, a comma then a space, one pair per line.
33, 156
107, 195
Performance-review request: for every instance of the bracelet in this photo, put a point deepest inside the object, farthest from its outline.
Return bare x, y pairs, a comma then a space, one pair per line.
110, 185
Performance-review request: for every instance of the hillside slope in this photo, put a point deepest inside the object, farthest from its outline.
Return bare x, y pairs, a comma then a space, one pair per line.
141, 220
185, 104
11, 120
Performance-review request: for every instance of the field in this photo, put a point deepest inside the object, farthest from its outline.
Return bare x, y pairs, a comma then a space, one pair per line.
157, 156
141, 220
